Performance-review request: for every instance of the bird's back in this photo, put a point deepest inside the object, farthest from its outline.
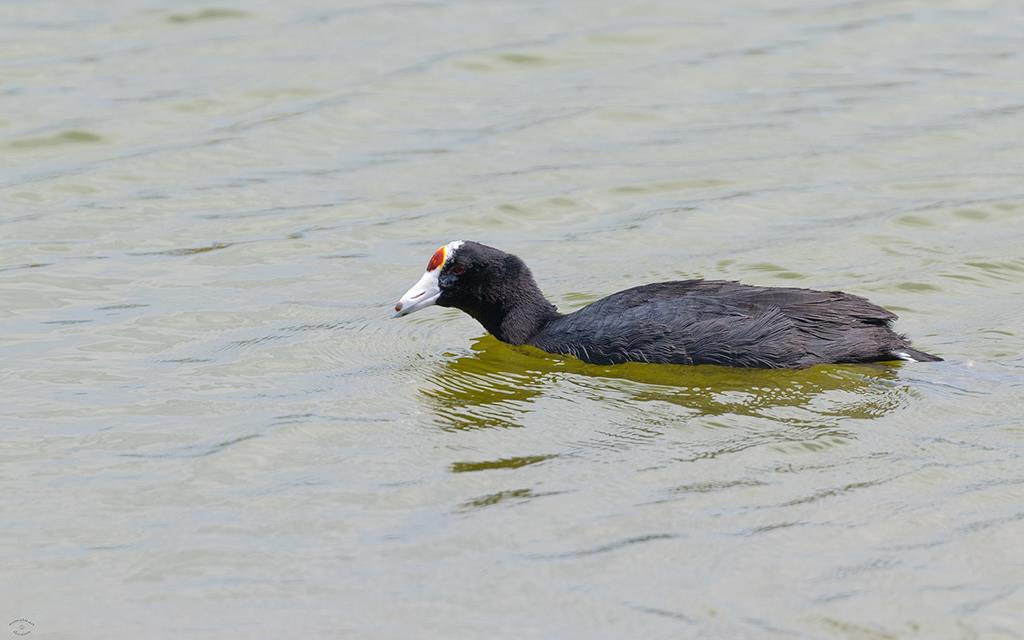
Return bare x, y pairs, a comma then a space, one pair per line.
722, 322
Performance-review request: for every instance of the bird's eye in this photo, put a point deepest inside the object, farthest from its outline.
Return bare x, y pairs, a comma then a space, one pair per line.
458, 269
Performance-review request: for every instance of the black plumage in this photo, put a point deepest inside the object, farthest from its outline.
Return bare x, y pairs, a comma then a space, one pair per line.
681, 322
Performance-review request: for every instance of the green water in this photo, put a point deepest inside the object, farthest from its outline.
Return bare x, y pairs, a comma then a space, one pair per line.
210, 427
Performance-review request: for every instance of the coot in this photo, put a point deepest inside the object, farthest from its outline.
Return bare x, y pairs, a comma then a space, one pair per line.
681, 322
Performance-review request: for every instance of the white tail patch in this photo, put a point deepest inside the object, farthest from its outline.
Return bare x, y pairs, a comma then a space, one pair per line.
903, 355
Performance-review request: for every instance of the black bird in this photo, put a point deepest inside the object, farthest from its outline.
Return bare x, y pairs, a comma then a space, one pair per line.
681, 322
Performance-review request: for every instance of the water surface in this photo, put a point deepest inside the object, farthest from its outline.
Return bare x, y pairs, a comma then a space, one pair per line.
210, 427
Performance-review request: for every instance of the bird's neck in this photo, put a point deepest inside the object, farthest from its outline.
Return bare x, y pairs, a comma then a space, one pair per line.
516, 316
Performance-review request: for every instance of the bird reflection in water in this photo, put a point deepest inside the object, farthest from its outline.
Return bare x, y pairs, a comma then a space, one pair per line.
497, 385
